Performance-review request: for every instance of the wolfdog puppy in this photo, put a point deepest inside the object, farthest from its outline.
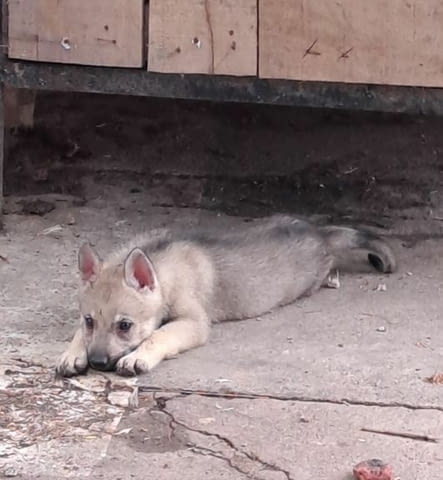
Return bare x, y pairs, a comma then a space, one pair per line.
158, 295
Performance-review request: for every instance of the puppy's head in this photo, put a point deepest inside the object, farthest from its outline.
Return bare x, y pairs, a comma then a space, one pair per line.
120, 305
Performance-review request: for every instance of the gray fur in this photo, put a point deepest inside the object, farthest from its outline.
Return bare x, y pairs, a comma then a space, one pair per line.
271, 262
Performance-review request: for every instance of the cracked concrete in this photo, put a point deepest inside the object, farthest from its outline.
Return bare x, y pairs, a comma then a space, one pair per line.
222, 447
305, 441
326, 369
283, 397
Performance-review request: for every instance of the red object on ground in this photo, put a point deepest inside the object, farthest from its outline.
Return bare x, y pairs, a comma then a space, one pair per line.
373, 469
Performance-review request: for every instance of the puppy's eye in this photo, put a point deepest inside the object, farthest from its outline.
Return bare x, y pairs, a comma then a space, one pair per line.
89, 322
124, 325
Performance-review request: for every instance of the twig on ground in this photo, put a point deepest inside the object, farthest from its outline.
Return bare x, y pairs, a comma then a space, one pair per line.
411, 436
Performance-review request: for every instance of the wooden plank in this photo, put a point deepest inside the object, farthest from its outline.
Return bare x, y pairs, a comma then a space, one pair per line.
89, 32
203, 36
221, 88
395, 42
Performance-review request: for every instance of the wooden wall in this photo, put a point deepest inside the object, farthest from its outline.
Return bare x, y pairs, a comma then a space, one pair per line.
395, 42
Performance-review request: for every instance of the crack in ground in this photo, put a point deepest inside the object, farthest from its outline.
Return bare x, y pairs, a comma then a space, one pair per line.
194, 447
290, 398
213, 453
173, 423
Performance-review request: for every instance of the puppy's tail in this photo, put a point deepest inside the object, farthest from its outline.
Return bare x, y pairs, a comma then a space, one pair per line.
342, 240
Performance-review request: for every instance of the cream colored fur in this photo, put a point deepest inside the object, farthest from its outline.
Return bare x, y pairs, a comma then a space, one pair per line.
170, 286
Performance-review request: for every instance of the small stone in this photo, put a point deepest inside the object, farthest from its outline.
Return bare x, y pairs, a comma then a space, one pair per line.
10, 472
373, 469
124, 398
206, 420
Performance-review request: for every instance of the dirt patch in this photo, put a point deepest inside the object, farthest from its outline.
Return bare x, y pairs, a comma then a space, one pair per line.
149, 431
239, 159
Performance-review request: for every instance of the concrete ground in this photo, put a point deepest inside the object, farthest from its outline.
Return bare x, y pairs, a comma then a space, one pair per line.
305, 392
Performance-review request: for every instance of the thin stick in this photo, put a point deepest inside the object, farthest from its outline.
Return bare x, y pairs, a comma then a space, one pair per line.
411, 436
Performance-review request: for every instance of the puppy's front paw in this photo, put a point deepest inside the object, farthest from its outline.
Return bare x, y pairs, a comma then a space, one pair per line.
132, 364
71, 363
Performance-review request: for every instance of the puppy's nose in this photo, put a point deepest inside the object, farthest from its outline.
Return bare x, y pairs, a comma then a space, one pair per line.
99, 361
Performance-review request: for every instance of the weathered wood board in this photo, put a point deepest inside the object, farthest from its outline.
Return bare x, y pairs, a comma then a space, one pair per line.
85, 32
394, 42
203, 36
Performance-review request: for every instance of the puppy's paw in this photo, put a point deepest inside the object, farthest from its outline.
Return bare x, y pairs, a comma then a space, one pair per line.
132, 364
71, 363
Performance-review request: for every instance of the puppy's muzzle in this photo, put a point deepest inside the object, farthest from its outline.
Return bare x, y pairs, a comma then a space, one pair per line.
101, 361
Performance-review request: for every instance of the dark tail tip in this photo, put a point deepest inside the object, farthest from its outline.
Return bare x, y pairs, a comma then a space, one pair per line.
379, 264
379, 253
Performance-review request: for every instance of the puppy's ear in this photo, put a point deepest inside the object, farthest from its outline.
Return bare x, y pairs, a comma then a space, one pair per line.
89, 263
139, 272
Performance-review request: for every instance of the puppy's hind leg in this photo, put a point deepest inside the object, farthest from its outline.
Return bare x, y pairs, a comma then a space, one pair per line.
332, 280
327, 275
